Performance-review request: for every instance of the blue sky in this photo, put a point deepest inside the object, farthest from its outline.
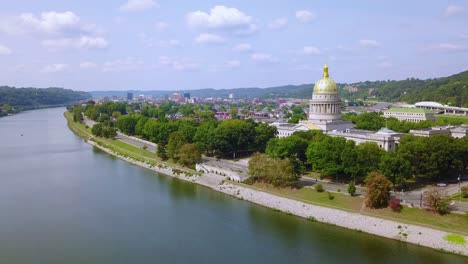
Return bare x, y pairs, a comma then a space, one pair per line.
181, 45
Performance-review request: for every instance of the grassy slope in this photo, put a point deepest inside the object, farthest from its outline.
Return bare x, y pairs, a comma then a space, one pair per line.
451, 223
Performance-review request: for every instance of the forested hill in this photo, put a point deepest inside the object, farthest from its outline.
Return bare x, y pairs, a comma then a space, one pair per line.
451, 90
29, 98
447, 90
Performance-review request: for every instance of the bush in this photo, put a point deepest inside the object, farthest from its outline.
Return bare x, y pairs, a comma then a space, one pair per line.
443, 206
351, 188
330, 196
319, 188
436, 201
395, 204
464, 191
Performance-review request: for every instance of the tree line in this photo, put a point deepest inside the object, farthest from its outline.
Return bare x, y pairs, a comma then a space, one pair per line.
177, 138
423, 159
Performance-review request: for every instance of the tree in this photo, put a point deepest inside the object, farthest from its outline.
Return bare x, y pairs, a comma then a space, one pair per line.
378, 190
234, 135
6, 108
368, 158
279, 172
204, 137
349, 158
395, 168
436, 200
77, 116
188, 155
161, 151
325, 156
464, 191
126, 124
351, 188
97, 130
264, 132
176, 141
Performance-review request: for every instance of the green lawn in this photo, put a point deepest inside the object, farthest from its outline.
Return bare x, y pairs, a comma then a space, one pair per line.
454, 223
309, 195
456, 197
463, 119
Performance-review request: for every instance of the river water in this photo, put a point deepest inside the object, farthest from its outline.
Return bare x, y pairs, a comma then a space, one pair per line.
63, 201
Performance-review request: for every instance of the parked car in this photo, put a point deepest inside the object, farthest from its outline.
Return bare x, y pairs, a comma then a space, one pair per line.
441, 184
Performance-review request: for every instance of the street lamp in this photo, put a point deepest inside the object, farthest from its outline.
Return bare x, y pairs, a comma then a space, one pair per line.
459, 187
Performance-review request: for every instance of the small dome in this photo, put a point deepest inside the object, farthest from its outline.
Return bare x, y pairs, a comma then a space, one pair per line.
325, 85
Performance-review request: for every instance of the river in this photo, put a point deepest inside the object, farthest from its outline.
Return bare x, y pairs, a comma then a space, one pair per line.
63, 201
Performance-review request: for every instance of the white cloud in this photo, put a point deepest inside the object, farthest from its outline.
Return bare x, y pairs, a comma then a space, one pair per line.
49, 23
243, 47
369, 43
311, 50
385, 64
161, 25
138, 5
262, 57
223, 18
4, 50
463, 36
85, 42
279, 23
169, 43
123, 65
179, 65
454, 10
88, 65
206, 38
232, 64
447, 48
53, 68
305, 16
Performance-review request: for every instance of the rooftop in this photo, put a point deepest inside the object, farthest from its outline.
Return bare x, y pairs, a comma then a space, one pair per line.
408, 110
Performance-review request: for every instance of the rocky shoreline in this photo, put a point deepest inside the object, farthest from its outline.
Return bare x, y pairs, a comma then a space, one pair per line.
414, 234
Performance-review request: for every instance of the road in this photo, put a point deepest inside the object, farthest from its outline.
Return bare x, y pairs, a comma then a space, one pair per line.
136, 142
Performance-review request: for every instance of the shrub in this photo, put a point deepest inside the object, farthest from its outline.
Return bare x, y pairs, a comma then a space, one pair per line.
436, 200
330, 196
395, 204
464, 191
319, 188
351, 188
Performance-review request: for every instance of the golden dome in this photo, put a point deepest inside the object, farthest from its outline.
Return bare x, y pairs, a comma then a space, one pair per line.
325, 85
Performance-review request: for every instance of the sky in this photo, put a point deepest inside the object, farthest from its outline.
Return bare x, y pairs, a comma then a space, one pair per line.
182, 45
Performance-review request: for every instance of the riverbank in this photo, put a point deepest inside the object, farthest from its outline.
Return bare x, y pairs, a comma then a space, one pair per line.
418, 235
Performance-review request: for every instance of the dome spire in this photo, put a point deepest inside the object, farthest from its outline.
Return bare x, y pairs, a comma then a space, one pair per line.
325, 71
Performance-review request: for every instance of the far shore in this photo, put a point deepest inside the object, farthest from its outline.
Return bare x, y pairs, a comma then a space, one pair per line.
414, 234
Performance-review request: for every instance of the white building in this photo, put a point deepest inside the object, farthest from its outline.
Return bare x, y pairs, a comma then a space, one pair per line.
410, 114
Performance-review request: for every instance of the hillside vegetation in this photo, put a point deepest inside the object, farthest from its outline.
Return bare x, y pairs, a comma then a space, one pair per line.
30, 98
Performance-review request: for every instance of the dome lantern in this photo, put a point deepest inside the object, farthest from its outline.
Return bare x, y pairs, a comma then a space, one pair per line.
325, 85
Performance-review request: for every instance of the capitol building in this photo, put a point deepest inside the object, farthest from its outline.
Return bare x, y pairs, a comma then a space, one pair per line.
325, 115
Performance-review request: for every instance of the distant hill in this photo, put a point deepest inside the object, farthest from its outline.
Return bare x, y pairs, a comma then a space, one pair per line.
447, 90
286, 91
30, 98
